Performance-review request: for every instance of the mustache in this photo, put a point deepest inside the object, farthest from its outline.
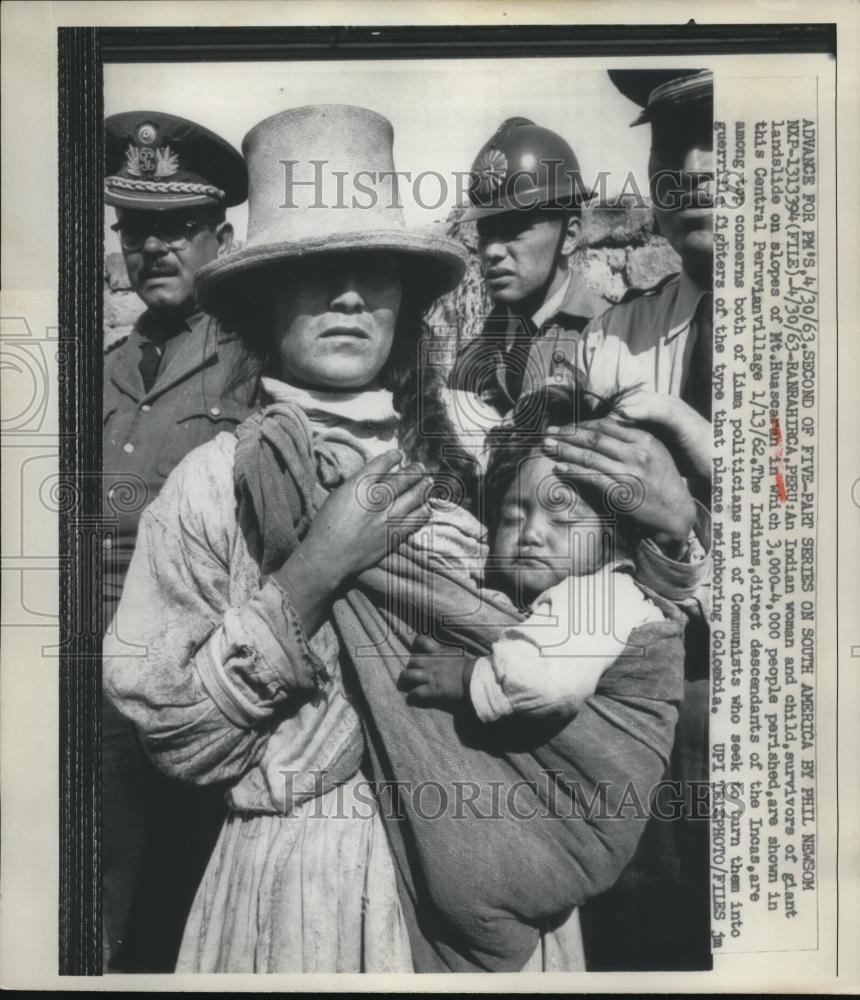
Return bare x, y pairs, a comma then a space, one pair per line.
158, 270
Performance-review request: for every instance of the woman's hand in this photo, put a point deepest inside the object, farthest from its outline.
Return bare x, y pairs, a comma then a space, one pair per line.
688, 430
634, 471
371, 513
356, 527
436, 676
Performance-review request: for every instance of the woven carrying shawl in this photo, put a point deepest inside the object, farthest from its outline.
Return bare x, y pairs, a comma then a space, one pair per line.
478, 880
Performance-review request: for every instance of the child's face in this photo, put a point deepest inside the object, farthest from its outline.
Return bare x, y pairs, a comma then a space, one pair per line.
335, 317
547, 531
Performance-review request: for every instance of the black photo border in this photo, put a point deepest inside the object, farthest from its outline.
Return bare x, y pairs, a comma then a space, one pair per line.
81, 55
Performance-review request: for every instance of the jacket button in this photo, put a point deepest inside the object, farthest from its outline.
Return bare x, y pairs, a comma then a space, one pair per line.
215, 411
128, 447
559, 357
146, 407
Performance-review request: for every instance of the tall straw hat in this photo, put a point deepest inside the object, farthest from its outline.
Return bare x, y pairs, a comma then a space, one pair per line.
321, 180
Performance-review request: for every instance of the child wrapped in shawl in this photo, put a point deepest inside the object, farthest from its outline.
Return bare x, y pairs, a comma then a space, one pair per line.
561, 556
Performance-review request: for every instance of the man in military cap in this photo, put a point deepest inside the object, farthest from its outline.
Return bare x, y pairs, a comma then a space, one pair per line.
657, 916
662, 338
170, 181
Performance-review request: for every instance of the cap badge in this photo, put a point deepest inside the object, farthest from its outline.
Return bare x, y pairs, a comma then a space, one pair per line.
490, 169
148, 162
146, 134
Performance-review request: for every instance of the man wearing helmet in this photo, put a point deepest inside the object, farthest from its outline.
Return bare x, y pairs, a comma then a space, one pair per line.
526, 199
526, 196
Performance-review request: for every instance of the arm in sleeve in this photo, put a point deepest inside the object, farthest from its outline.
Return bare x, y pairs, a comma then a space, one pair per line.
548, 672
518, 678
686, 583
201, 680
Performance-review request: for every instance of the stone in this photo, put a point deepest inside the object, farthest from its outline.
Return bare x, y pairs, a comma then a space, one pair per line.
121, 309
617, 225
115, 273
601, 278
616, 258
649, 264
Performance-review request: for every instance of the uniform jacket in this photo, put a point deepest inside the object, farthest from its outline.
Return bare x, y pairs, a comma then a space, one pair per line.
647, 339
514, 353
146, 434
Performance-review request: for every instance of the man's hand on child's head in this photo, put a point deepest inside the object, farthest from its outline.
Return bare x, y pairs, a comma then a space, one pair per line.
609, 454
437, 676
691, 434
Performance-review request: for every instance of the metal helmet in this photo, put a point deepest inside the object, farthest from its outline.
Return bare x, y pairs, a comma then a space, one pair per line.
524, 166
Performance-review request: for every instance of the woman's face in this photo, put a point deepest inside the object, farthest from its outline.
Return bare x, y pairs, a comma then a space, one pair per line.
334, 319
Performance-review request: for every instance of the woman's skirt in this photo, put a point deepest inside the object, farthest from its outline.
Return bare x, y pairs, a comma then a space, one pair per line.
313, 891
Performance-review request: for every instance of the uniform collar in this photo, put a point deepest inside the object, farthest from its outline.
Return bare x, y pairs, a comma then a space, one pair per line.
153, 327
687, 300
575, 303
552, 305
194, 348
580, 304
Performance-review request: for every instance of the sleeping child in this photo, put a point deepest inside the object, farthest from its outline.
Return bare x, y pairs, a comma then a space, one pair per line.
560, 555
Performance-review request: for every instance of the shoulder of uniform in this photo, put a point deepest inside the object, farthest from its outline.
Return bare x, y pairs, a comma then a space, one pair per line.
467, 358
643, 293
637, 306
115, 344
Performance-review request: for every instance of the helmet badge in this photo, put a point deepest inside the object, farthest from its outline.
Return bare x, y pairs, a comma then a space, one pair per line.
490, 170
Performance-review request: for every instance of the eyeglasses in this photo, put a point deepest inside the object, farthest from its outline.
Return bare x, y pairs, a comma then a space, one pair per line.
174, 233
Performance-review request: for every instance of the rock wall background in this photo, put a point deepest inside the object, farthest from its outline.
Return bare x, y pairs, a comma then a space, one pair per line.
621, 249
